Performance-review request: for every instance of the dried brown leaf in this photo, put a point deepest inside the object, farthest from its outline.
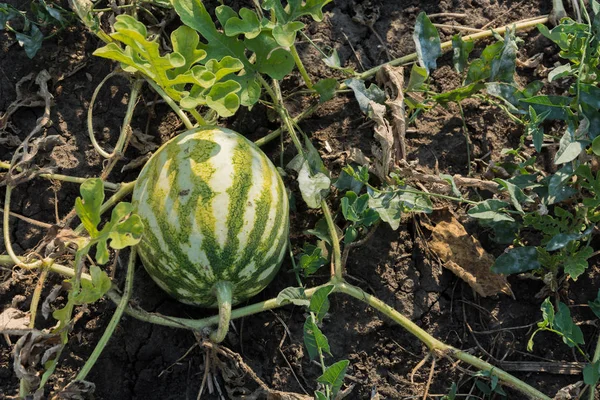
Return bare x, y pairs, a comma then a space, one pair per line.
142, 141
29, 351
462, 254
13, 319
392, 80
136, 162
77, 390
385, 137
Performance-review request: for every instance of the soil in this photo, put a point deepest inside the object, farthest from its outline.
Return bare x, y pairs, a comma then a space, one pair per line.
144, 361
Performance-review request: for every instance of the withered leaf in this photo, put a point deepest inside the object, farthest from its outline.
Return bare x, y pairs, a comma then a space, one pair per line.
13, 319
462, 254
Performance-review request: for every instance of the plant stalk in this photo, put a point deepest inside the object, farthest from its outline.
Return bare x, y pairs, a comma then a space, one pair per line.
6, 230
114, 321
339, 287
337, 273
224, 293
300, 66
519, 26
184, 118
64, 178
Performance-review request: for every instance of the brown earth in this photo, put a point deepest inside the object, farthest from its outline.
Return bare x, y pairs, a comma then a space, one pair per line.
144, 361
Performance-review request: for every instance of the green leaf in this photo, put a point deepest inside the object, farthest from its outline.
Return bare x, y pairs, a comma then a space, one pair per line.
387, 205
547, 314
296, 9
348, 179
559, 72
32, 42
556, 106
508, 93
416, 81
124, 229
334, 376
326, 89
193, 13
481, 68
364, 95
178, 73
577, 263
503, 67
450, 180
348, 211
311, 259
561, 240
350, 235
248, 25
320, 395
88, 205
427, 42
517, 260
313, 187
517, 197
319, 302
596, 146
185, 41
569, 148
458, 94
535, 129
222, 97
595, 305
591, 374
489, 210
7, 13
293, 295
285, 35
314, 339
460, 52
572, 334
94, 290
271, 59
590, 95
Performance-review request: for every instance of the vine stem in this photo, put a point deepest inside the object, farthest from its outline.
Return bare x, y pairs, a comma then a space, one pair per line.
7, 243
338, 268
275, 93
125, 129
184, 118
64, 178
519, 26
339, 287
224, 292
35, 298
300, 66
90, 115
114, 321
434, 344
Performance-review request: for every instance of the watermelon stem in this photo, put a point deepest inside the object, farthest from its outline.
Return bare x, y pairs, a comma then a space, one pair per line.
223, 291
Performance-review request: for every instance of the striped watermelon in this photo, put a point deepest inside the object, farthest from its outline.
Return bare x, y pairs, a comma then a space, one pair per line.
215, 213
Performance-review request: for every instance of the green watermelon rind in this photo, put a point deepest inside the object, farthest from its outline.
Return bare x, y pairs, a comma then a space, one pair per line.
191, 239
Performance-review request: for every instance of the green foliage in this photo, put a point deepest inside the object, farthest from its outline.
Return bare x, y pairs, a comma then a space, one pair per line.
559, 322
489, 389
124, 228
427, 42
392, 202
41, 16
363, 95
460, 52
311, 259
333, 376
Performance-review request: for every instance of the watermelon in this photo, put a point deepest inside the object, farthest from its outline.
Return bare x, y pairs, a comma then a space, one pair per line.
216, 217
